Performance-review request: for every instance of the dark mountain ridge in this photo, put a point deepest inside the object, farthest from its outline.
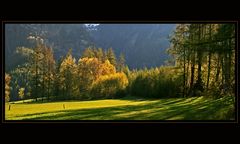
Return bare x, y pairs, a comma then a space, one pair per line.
143, 45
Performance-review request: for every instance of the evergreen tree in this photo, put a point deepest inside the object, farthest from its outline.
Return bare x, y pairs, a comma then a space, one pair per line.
121, 62
111, 56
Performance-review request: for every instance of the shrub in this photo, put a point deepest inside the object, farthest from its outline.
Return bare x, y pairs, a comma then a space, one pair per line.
109, 86
155, 83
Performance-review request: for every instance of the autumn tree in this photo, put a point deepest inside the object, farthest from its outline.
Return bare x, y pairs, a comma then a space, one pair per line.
39, 69
107, 86
111, 56
88, 52
206, 54
50, 70
57, 91
68, 71
21, 93
106, 68
88, 71
7, 87
179, 50
121, 62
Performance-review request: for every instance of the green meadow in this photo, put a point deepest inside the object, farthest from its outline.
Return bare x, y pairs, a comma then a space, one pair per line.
129, 108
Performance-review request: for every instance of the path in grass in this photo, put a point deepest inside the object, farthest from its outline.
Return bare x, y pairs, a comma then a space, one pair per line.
195, 108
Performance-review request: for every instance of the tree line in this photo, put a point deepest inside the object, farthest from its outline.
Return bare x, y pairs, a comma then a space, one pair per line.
206, 55
204, 66
97, 74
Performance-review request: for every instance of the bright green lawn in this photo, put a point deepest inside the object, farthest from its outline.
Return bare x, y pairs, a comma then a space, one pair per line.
195, 108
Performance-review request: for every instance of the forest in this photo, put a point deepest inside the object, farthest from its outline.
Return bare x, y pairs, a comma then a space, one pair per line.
199, 75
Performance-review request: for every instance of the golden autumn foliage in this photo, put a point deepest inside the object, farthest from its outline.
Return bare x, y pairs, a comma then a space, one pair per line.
107, 86
89, 68
7, 87
107, 68
71, 79
68, 63
68, 72
21, 93
89, 71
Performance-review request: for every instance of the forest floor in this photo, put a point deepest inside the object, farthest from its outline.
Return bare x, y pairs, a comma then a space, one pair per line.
129, 108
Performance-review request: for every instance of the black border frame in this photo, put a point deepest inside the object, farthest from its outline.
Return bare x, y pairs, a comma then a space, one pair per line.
119, 22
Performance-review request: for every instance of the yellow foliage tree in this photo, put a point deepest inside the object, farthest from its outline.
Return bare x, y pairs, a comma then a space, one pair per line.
107, 68
90, 70
7, 87
68, 71
107, 86
21, 93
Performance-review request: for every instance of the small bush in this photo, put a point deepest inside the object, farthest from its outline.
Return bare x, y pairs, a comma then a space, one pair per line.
109, 86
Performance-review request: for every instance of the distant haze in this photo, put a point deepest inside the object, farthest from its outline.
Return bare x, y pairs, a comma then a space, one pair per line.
144, 45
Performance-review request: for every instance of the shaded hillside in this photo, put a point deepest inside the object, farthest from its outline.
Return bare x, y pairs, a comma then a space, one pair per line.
142, 44
60, 37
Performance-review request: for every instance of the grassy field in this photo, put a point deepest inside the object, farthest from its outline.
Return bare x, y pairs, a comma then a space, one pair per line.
195, 108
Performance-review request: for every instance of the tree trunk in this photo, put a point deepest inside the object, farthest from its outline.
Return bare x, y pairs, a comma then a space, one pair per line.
43, 87
209, 68
49, 78
199, 55
192, 71
228, 71
187, 74
223, 71
218, 68
184, 73
36, 78
199, 66
48, 90
209, 55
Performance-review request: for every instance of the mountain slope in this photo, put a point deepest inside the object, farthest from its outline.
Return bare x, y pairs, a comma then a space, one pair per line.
60, 37
143, 45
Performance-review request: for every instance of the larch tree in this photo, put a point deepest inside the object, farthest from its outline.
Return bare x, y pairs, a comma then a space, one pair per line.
50, 69
178, 49
7, 87
57, 91
21, 93
88, 52
68, 71
111, 56
88, 71
207, 51
121, 62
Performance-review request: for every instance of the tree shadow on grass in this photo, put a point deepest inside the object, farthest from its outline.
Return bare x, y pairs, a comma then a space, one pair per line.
177, 109
199, 111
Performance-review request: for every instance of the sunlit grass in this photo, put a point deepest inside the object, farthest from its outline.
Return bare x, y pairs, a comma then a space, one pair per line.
195, 108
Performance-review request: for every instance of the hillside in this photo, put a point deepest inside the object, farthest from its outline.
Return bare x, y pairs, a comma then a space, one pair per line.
60, 37
144, 45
